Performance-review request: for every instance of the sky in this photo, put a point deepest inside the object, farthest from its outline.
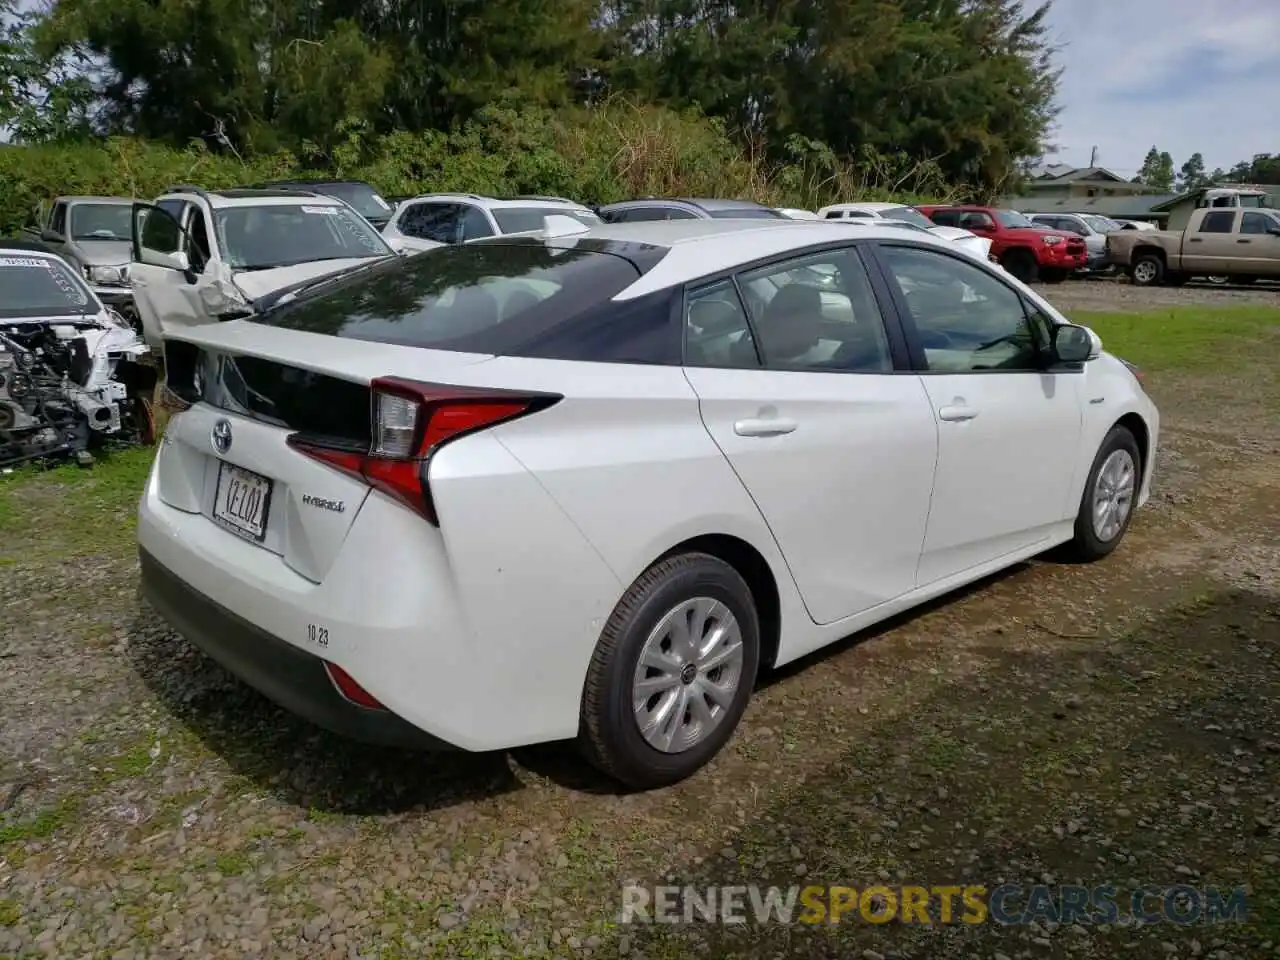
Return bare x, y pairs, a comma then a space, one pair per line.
1181, 75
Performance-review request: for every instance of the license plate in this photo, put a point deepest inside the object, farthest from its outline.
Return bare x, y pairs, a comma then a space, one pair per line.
241, 501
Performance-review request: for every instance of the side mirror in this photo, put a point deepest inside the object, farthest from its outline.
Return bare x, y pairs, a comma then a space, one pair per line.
398, 245
1274, 231
51, 236
1075, 344
177, 260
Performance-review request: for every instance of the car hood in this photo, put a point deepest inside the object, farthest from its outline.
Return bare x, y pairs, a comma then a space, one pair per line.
258, 283
1030, 233
103, 253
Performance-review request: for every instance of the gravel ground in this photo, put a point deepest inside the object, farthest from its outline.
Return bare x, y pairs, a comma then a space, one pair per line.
1121, 296
1113, 723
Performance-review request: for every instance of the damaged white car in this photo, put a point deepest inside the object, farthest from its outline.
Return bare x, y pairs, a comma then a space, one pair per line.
70, 370
204, 256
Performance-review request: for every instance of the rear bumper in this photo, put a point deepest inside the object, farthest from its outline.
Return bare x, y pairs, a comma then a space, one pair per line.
284, 673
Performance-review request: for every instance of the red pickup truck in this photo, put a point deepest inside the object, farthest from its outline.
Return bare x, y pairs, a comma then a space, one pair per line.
1027, 251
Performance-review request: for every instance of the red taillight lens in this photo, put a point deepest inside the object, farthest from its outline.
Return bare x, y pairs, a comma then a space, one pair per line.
410, 422
350, 689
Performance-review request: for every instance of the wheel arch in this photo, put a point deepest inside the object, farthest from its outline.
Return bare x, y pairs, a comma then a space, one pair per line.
752, 566
1137, 426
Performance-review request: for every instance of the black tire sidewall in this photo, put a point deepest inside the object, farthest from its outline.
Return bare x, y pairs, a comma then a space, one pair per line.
634, 760
1021, 264
1086, 540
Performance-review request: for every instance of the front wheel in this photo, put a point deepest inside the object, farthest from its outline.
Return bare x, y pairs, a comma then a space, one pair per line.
671, 673
1021, 264
1109, 497
1053, 274
1147, 270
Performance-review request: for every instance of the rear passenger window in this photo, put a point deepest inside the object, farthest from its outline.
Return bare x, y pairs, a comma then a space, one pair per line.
817, 313
717, 333
1217, 222
946, 218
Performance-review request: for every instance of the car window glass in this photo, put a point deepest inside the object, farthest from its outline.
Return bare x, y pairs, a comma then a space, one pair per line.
1220, 222
946, 218
282, 235
975, 221
817, 313
717, 333
965, 318
474, 225
675, 213
199, 235
174, 208
58, 223
100, 221
1258, 223
432, 221
160, 231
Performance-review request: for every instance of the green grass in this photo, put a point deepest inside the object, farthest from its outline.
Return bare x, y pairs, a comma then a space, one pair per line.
1191, 339
72, 510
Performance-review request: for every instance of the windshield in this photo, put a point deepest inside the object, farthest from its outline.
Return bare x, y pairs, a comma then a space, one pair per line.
362, 198
101, 221
282, 235
41, 287
745, 213
910, 215
1012, 219
1101, 224
522, 219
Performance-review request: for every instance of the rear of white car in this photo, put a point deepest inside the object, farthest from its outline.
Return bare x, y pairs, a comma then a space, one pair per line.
362, 544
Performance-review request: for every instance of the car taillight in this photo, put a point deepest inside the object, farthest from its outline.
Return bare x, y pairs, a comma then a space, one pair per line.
410, 422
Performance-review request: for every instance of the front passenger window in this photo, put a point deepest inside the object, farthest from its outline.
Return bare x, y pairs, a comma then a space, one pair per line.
966, 319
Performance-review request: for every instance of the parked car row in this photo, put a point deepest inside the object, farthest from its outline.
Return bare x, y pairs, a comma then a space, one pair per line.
586, 481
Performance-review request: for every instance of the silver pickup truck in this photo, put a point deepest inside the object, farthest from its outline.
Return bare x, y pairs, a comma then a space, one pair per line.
93, 234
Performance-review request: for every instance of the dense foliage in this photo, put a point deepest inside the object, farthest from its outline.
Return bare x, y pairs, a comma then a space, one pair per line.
966, 85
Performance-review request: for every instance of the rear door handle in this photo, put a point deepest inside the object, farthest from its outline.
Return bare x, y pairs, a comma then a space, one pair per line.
764, 427
1242, 240
1194, 240
957, 413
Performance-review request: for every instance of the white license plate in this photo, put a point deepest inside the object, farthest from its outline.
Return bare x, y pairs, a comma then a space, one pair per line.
241, 501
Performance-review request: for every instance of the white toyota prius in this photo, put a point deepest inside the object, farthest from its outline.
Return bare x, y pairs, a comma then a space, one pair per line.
588, 484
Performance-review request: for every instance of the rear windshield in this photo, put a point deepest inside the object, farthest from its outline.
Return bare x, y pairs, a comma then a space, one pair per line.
908, 215
360, 196
505, 298
282, 235
745, 213
523, 219
33, 287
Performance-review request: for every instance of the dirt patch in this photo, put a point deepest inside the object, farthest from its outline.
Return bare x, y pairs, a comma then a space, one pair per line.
1115, 723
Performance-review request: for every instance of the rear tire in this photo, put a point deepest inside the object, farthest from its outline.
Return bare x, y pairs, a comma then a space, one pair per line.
1110, 495
685, 724
1147, 270
1021, 264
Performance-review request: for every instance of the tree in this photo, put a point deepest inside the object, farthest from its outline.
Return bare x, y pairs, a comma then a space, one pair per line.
1192, 174
1157, 170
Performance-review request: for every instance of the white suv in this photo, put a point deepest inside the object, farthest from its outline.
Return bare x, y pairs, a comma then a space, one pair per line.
461, 217
201, 256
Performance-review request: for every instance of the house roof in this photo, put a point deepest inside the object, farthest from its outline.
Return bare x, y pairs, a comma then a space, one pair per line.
1065, 173
1136, 206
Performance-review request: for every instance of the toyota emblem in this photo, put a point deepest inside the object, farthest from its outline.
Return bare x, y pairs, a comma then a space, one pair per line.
222, 435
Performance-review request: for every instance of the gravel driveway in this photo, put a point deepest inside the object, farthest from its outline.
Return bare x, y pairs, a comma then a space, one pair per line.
1113, 723
1120, 295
